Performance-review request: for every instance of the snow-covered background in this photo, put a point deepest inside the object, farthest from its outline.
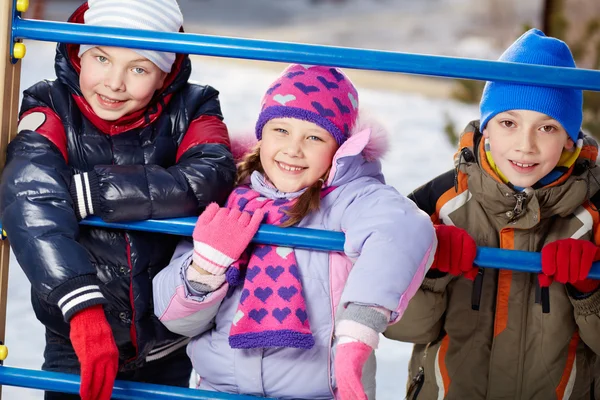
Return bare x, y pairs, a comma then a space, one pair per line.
412, 108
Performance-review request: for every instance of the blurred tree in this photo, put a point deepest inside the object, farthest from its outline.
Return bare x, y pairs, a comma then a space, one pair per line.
577, 22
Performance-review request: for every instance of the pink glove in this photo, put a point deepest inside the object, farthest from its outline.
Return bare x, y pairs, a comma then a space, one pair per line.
349, 361
221, 235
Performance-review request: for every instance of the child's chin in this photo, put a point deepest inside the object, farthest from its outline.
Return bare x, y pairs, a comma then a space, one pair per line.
523, 182
107, 116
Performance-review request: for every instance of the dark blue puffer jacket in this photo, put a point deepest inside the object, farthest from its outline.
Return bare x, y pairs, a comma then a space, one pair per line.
168, 160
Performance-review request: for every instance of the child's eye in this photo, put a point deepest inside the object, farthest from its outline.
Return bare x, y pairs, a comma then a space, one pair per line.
139, 71
280, 130
102, 59
507, 124
548, 128
315, 138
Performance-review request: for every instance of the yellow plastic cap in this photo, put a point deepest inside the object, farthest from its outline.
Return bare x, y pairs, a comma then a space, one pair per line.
19, 50
22, 5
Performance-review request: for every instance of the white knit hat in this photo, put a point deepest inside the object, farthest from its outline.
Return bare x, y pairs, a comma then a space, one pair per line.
152, 15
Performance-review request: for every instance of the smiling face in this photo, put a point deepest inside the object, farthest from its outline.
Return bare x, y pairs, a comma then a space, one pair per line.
295, 153
117, 81
526, 145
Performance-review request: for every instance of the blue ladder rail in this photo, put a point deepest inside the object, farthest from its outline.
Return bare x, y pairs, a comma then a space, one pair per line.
68, 383
316, 239
379, 60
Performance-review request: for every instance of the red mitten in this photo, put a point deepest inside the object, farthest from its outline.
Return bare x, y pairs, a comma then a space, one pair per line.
221, 235
348, 364
569, 261
455, 252
97, 352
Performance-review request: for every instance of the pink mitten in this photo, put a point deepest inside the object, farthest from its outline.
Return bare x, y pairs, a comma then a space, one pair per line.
221, 235
348, 365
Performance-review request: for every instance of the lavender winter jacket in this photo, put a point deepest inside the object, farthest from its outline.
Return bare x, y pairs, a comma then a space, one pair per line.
389, 247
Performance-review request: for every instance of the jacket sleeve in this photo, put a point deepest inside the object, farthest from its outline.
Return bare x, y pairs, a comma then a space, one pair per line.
423, 319
393, 243
178, 307
204, 172
587, 317
586, 306
37, 215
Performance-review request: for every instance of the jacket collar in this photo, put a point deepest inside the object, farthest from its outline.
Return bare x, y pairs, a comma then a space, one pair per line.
524, 209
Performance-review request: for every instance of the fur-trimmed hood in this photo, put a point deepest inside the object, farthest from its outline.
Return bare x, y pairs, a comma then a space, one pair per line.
360, 155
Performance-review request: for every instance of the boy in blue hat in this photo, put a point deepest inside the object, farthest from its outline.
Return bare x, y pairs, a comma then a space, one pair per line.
525, 179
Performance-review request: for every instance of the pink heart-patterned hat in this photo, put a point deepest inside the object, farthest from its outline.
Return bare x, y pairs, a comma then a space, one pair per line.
321, 95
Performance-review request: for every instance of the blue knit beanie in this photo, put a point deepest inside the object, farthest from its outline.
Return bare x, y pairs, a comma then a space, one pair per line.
564, 105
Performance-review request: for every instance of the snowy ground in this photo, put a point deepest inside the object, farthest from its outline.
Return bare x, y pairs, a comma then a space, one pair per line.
419, 151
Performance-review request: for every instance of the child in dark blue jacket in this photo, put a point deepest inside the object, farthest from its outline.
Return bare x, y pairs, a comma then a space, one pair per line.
122, 135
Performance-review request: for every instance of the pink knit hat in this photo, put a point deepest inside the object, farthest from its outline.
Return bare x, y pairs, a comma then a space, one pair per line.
322, 95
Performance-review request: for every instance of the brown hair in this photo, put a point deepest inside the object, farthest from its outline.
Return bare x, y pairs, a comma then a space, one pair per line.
307, 202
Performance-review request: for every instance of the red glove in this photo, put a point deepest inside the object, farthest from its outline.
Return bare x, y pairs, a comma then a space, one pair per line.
348, 364
455, 252
221, 236
97, 352
569, 261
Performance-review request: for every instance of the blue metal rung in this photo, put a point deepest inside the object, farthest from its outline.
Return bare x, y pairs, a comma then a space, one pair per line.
68, 383
316, 239
422, 64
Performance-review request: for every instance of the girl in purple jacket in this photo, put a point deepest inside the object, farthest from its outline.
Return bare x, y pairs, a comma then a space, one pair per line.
291, 323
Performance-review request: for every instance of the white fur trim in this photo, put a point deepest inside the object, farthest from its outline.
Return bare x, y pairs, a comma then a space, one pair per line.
379, 142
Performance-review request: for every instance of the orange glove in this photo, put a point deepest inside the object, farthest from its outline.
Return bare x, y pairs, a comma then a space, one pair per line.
569, 261
455, 252
97, 352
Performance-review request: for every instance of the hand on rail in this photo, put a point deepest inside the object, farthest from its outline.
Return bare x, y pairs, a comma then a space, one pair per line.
221, 235
97, 352
569, 261
455, 253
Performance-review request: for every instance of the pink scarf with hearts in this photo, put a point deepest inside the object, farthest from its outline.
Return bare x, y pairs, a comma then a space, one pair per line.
272, 309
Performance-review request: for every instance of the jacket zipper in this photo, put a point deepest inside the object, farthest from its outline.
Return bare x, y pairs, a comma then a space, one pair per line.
416, 385
518, 209
132, 328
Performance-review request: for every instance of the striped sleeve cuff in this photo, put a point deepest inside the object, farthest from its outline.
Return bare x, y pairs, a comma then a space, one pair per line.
85, 192
358, 332
363, 323
203, 283
211, 259
376, 318
77, 294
